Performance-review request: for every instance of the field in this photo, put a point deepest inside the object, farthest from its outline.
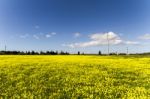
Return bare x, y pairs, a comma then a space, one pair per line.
72, 77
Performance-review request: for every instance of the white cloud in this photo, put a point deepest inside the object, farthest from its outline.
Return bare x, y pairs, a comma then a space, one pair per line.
24, 36
77, 34
145, 37
99, 39
104, 36
48, 36
131, 42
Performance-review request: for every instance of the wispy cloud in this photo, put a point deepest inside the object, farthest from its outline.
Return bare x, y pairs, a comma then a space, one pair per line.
24, 36
131, 42
53, 33
42, 35
77, 34
48, 36
99, 39
145, 37
36, 36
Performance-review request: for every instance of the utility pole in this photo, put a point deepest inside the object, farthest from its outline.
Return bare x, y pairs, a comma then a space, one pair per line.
127, 51
108, 43
5, 48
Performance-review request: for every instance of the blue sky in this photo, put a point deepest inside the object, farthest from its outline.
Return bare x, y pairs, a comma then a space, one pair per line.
75, 25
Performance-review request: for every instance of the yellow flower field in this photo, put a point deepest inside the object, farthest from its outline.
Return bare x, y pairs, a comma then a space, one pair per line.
73, 76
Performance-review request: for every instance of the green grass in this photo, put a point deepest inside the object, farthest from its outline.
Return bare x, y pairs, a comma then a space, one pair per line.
65, 77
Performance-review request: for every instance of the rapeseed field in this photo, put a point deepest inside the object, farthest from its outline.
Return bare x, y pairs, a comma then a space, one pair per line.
74, 77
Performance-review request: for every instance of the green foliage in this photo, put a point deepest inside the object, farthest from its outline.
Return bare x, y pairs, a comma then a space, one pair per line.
72, 77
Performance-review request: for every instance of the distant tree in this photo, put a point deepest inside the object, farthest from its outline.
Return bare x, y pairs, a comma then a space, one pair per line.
32, 53
64, 53
41, 53
28, 53
112, 53
48, 53
99, 53
78, 52
122, 53
67, 53
52, 52
61, 53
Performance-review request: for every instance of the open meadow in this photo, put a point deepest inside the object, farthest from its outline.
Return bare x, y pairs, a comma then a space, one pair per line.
73, 76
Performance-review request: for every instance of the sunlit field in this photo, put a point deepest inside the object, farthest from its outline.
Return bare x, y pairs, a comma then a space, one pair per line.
73, 76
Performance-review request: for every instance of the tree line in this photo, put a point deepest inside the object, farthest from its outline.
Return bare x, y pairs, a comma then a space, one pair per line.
33, 53
40, 53
61, 53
